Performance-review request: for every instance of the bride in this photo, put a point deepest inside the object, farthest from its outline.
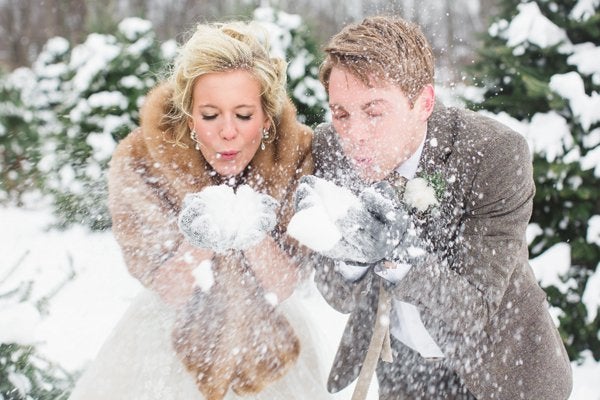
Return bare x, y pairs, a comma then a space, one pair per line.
200, 195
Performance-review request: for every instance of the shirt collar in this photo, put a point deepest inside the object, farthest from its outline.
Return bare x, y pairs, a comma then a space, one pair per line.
408, 168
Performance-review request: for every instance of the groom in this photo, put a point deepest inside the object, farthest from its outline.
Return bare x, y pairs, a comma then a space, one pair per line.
468, 319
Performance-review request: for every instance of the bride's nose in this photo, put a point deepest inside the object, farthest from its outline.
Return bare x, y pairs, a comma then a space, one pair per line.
228, 130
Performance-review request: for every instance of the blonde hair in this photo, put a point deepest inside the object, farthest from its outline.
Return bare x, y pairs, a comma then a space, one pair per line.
382, 48
221, 47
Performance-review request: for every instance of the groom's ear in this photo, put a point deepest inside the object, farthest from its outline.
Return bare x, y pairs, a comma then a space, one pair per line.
425, 102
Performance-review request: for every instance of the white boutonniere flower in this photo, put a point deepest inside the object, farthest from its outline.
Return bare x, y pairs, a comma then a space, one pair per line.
424, 193
420, 195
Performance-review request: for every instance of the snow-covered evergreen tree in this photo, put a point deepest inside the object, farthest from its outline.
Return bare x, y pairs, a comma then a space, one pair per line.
19, 140
77, 103
540, 74
291, 40
106, 79
25, 374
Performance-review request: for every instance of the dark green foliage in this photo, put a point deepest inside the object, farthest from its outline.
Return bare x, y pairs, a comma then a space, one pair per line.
517, 81
19, 142
24, 373
101, 113
21, 368
85, 100
301, 52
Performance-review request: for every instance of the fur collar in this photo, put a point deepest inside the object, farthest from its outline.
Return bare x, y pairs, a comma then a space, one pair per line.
186, 169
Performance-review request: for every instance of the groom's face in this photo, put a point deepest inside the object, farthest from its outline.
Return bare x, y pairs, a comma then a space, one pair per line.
378, 127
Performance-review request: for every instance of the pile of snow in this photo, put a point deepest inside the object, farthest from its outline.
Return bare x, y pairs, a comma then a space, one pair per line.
80, 316
329, 203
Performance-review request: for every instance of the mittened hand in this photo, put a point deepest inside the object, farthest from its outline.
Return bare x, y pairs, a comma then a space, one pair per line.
371, 232
256, 215
219, 219
201, 219
306, 193
363, 229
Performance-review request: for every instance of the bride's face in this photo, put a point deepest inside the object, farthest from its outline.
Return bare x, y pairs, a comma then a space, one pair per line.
228, 118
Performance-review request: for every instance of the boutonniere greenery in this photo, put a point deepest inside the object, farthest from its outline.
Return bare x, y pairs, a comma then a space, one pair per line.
424, 192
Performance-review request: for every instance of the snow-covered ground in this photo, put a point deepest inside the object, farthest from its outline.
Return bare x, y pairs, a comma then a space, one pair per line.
82, 313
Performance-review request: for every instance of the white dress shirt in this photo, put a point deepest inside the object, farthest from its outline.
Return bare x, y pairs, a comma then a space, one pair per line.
405, 320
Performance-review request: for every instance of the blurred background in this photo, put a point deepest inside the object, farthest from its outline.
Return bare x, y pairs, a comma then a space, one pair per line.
73, 74
26, 25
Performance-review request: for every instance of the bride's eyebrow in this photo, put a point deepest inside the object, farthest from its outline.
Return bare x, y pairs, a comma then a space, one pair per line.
208, 105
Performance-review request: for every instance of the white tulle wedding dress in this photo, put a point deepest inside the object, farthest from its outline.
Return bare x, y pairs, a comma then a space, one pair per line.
137, 362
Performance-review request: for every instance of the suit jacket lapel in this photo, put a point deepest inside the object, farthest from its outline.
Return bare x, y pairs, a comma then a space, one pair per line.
438, 142
435, 160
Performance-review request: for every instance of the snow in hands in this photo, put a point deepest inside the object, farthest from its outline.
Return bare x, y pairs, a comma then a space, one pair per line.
219, 219
322, 205
362, 229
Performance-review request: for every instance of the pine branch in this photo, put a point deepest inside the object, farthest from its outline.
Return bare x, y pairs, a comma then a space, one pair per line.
14, 267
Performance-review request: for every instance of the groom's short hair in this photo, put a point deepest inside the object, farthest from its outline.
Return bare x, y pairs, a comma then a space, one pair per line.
382, 49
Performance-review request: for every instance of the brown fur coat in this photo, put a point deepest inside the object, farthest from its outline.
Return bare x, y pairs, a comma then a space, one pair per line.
148, 179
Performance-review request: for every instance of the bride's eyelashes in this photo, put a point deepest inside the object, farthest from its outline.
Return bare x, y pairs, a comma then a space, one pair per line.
238, 116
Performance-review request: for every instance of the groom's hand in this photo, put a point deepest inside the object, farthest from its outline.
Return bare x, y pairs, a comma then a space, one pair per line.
370, 233
370, 230
305, 194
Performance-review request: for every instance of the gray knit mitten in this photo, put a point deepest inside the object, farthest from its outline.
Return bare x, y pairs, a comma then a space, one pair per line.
219, 219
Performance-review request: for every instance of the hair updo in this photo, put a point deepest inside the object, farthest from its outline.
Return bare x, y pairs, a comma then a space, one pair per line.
222, 47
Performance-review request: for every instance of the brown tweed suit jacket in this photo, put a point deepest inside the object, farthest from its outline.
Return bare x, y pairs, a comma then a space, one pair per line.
475, 291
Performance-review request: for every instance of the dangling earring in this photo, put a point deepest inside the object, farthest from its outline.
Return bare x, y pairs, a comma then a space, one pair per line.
265, 138
194, 137
265, 134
